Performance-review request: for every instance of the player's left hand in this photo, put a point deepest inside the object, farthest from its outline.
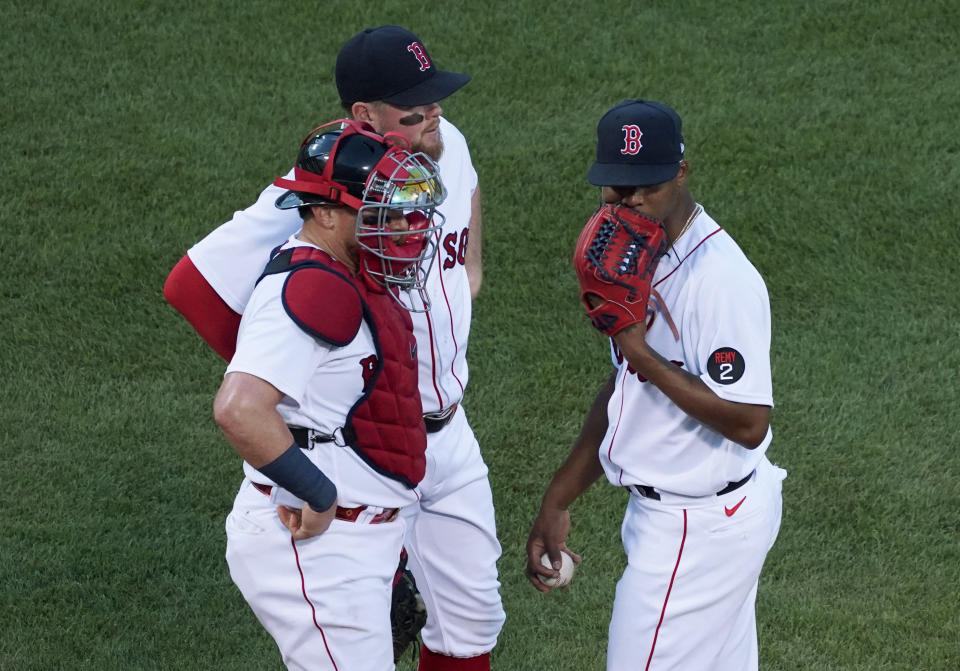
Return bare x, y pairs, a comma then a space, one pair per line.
306, 523
616, 256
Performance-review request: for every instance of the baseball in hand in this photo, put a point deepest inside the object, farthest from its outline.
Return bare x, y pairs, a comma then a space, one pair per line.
566, 571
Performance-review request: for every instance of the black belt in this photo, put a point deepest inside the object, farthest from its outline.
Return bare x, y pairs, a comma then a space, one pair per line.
302, 438
434, 421
649, 492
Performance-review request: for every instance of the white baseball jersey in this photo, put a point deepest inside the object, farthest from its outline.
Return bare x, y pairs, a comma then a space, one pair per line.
719, 304
320, 383
232, 256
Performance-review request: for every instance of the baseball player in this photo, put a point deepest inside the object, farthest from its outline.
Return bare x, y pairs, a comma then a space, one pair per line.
320, 401
387, 78
683, 421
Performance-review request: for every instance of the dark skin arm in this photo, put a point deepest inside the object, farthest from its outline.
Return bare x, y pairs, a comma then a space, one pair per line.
743, 423
580, 470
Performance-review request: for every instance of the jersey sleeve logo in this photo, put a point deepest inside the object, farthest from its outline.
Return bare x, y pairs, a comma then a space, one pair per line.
726, 365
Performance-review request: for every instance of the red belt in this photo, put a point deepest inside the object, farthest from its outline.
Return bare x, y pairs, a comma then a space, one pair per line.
345, 514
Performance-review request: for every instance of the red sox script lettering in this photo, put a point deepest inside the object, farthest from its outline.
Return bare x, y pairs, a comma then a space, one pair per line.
456, 253
631, 139
416, 49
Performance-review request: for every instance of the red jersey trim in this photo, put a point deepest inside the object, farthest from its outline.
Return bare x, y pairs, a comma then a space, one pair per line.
613, 438
453, 335
433, 361
662, 279
433, 357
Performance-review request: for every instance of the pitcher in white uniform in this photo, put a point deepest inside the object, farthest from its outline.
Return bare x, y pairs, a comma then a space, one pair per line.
387, 78
682, 424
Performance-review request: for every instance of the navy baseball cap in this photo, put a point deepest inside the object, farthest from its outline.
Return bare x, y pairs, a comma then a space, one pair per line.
638, 144
391, 64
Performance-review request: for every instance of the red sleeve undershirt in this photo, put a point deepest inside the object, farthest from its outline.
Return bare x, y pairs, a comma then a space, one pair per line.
192, 296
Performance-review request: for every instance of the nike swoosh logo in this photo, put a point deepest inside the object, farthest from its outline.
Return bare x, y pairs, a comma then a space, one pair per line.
731, 511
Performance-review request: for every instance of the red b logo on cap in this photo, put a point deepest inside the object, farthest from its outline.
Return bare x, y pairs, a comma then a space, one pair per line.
416, 49
631, 139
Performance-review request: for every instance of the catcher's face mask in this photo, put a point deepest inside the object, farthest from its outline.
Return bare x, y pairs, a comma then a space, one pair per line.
398, 222
395, 192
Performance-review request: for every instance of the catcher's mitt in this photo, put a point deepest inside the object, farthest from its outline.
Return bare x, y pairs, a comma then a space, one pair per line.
408, 613
616, 256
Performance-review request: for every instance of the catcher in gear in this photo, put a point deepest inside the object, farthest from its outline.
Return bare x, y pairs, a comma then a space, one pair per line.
321, 400
683, 421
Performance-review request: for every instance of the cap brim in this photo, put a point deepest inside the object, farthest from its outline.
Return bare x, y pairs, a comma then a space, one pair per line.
438, 87
625, 174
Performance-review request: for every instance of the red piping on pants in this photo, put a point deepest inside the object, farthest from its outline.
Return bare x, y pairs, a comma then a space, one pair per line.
667, 597
303, 588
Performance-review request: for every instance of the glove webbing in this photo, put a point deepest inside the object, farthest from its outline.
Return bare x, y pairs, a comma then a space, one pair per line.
627, 263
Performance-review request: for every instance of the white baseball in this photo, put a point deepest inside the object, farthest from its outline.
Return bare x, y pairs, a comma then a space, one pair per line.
566, 571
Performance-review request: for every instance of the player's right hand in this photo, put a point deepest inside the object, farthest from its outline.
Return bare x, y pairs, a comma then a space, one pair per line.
306, 523
549, 534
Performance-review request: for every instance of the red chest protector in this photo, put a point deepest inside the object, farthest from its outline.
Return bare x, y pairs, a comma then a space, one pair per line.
385, 426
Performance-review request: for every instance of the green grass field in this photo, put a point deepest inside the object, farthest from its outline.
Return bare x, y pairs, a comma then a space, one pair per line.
823, 135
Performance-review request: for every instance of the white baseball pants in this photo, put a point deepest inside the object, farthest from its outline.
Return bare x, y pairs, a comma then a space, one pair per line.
686, 599
452, 545
326, 600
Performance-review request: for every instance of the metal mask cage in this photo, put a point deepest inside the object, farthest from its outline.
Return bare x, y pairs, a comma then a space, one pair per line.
408, 185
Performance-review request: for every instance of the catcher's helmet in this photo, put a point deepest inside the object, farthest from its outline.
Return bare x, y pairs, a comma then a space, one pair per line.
345, 162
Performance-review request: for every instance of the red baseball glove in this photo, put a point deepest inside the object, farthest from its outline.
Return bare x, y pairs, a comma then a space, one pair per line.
616, 256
